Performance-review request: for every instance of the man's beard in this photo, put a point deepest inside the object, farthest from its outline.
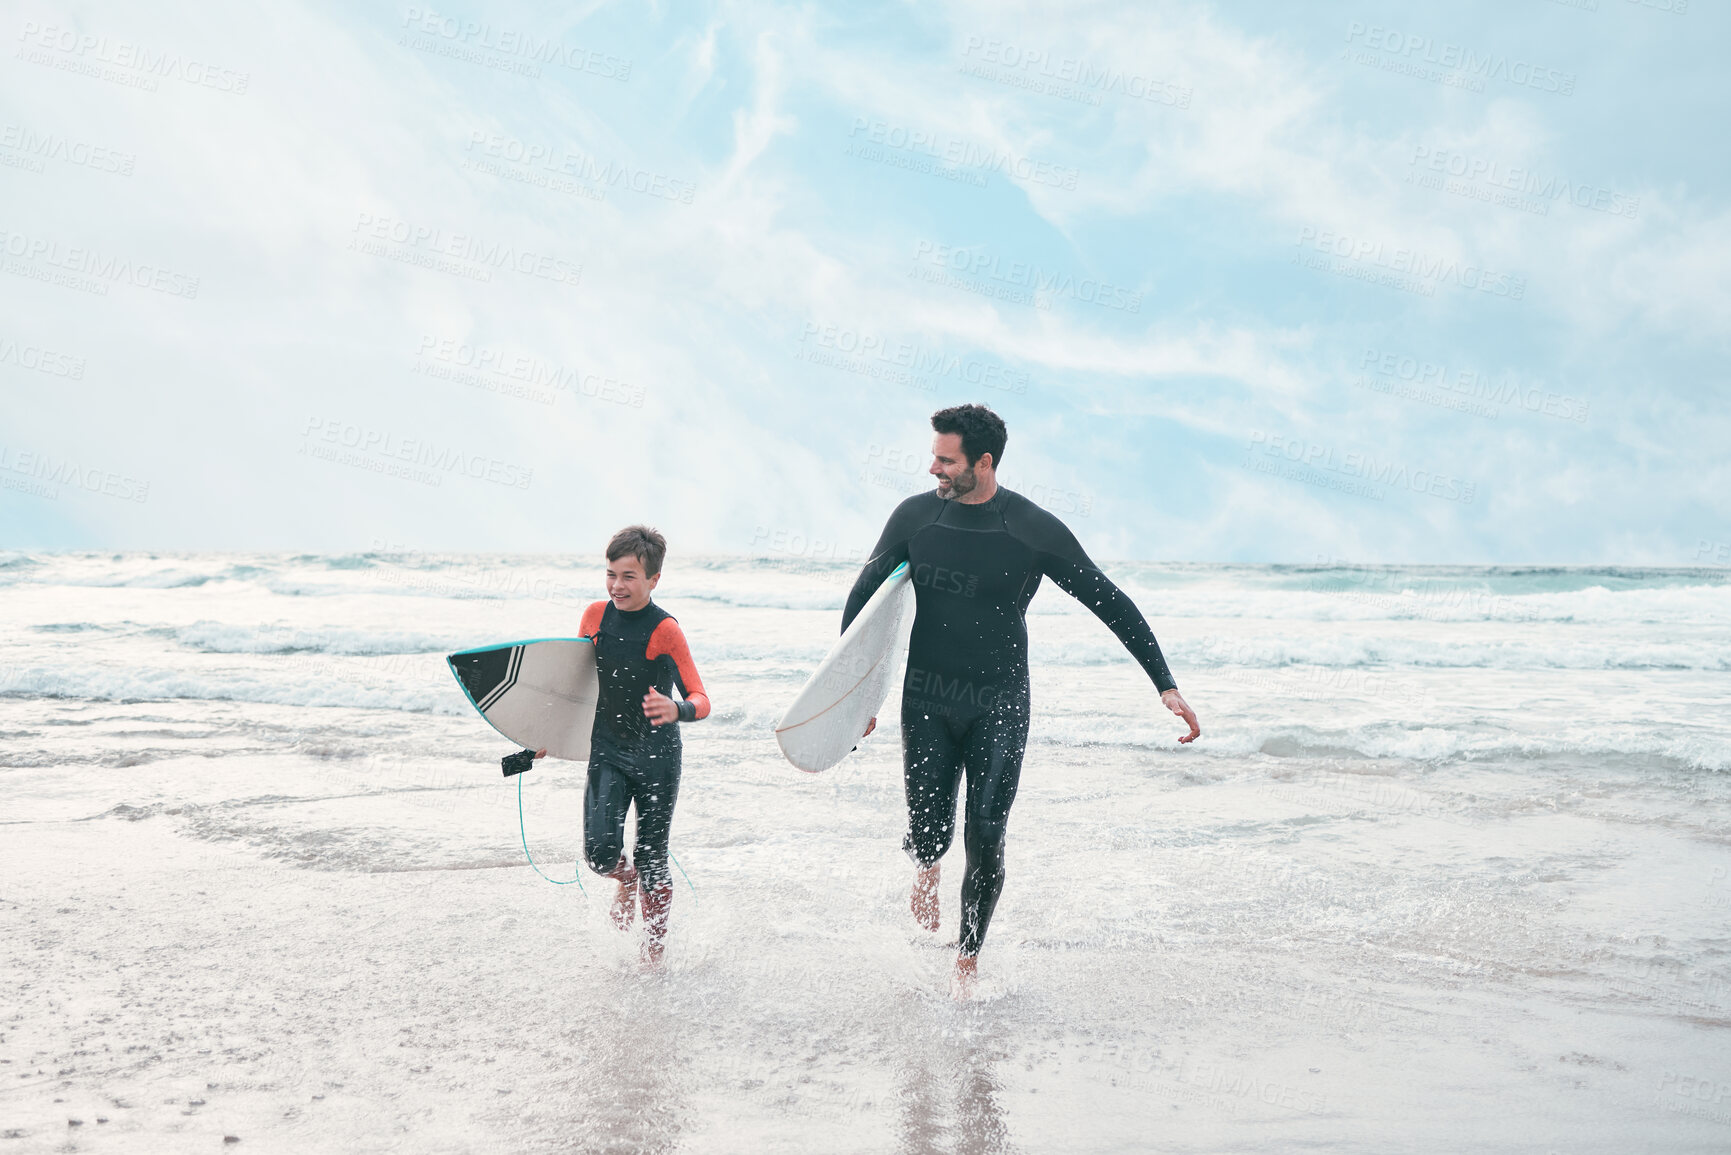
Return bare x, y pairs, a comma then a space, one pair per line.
960, 486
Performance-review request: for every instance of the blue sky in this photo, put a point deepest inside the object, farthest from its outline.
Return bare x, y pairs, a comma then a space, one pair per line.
1250, 282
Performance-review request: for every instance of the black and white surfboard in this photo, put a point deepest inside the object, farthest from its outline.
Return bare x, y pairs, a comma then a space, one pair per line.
539, 694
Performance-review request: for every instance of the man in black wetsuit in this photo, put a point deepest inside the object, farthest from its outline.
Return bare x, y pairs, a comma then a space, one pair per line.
977, 552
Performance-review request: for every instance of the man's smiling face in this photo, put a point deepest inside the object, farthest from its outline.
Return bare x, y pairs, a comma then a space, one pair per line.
950, 466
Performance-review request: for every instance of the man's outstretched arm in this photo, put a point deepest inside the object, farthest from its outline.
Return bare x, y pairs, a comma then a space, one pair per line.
1063, 560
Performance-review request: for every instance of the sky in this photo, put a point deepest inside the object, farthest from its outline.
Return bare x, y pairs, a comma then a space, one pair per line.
1252, 282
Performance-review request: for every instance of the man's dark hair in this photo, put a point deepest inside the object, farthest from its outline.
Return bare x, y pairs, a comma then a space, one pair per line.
981, 431
642, 543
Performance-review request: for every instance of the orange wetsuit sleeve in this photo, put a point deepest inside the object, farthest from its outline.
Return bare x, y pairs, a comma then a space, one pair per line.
591, 620
669, 639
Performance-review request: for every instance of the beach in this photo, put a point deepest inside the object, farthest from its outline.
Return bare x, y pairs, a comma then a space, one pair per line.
1449, 870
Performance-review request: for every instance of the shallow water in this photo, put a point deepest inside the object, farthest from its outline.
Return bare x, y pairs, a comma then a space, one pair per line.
1450, 869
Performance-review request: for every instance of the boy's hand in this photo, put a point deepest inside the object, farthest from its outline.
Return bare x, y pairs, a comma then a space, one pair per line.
659, 708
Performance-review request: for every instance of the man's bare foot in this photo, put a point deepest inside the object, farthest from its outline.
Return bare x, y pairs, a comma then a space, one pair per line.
966, 977
924, 900
624, 909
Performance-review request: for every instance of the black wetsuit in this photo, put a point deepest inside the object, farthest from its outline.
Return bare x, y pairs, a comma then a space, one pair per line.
975, 568
631, 760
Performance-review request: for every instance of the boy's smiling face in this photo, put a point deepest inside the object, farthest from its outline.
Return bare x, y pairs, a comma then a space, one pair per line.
628, 585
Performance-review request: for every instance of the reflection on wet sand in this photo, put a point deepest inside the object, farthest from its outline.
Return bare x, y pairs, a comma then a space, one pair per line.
949, 1102
626, 1094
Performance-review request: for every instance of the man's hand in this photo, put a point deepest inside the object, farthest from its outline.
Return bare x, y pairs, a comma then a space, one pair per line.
541, 753
659, 708
1175, 702
870, 726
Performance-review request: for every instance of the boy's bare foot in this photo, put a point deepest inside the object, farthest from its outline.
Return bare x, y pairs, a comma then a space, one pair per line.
625, 906
657, 900
966, 977
624, 910
924, 900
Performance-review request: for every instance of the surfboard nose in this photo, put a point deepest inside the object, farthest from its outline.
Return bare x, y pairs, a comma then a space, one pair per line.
540, 694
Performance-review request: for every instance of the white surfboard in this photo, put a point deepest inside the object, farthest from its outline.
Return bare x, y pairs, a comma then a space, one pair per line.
540, 694
825, 722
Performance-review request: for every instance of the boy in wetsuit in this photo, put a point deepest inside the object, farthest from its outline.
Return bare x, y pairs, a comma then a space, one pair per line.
634, 754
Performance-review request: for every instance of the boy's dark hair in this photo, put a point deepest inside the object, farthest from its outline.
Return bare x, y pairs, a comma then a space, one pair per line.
642, 543
981, 430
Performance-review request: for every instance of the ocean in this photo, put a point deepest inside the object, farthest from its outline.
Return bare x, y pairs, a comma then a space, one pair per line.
1448, 870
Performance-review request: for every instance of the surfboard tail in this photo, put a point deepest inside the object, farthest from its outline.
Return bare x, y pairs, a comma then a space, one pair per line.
825, 722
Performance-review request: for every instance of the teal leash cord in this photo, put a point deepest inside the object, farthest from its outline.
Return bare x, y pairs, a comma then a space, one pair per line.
576, 871
685, 876
523, 832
